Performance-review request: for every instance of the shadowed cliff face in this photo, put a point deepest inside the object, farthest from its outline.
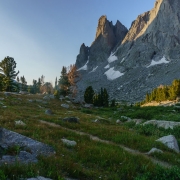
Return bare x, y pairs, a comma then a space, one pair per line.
148, 54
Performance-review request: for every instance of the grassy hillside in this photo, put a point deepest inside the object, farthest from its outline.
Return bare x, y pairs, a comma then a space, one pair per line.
121, 156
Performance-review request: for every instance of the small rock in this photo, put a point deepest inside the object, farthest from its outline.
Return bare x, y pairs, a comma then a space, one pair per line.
23, 92
68, 101
39, 178
48, 112
47, 98
126, 118
1, 99
65, 106
7, 93
68, 142
71, 119
39, 100
137, 121
88, 106
20, 123
118, 121
170, 141
4, 106
30, 100
153, 150
51, 96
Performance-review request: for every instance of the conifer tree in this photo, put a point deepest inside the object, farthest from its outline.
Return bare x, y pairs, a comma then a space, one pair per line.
35, 86
55, 84
24, 83
88, 95
105, 98
63, 82
7, 66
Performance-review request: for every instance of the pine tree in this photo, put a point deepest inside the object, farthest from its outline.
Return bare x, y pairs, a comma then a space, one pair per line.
88, 95
35, 86
105, 98
39, 83
55, 87
24, 83
63, 82
7, 66
113, 103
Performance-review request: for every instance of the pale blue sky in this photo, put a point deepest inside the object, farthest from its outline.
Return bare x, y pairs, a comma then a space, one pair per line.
44, 35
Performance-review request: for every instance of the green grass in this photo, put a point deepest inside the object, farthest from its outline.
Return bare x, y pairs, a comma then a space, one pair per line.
89, 159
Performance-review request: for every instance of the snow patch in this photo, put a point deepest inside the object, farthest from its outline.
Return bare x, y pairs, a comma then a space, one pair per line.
94, 69
84, 67
112, 74
112, 58
122, 60
107, 67
161, 61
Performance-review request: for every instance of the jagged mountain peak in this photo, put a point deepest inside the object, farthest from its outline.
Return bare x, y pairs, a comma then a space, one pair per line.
143, 58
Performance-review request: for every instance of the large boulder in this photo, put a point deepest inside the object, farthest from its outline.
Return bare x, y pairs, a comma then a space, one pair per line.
163, 124
10, 139
170, 141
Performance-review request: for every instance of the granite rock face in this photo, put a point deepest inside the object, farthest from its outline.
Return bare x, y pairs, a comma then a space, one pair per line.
130, 64
30, 148
107, 37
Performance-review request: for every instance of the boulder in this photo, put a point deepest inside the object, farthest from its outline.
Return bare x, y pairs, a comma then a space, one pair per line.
65, 106
1, 99
163, 124
9, 139
47, 98
68, 142
170, 141
48, 112
71, 119
154, 150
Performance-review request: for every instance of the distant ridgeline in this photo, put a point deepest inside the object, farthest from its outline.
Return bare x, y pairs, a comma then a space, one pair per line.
164, 92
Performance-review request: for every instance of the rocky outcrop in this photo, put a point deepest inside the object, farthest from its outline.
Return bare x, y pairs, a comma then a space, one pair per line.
83, 55
107, 37
29, 148
163, 124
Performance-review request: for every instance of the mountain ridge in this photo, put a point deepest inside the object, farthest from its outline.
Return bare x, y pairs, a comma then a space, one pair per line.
125, 67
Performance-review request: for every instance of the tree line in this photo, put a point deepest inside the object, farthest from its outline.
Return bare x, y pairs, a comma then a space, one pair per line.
164, 92
100, 99
11, 82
